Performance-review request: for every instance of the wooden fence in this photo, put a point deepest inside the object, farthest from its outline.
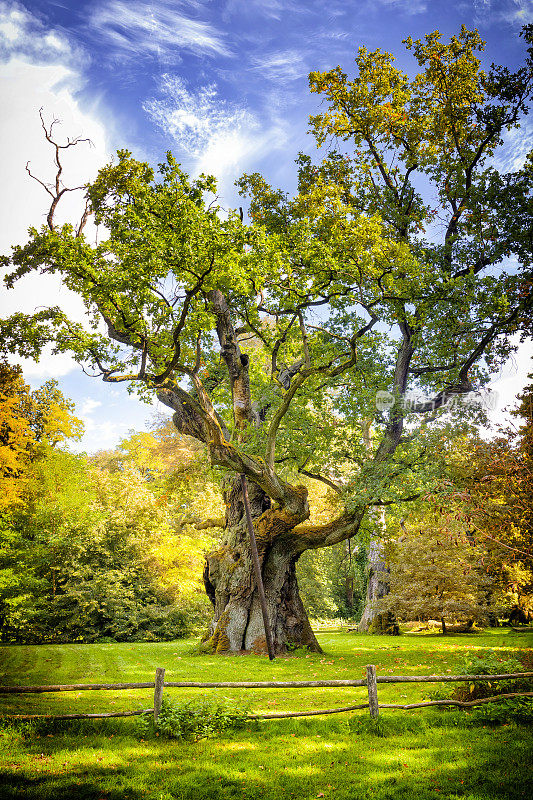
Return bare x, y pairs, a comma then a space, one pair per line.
371, 681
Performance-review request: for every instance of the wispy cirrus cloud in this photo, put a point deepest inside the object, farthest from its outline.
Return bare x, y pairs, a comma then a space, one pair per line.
272, 9
481, 9
217, 136
409, 7
194, 118
512, 12
284, 65
517, 144
160, 30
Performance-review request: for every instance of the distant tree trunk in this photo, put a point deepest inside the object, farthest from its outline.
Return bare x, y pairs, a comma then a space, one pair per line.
237, 623
443, 623
374, 621
491, 616
518, 616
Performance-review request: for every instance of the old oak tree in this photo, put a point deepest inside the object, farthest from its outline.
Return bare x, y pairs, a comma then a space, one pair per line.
269, 339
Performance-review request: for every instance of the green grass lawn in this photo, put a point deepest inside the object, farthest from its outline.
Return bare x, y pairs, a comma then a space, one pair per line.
414, 754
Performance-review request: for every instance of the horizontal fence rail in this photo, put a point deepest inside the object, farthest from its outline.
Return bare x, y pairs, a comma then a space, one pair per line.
73, 687
371, 681
84, 687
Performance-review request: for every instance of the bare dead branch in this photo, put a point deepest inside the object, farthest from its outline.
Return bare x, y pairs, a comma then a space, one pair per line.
57, 190
84, 217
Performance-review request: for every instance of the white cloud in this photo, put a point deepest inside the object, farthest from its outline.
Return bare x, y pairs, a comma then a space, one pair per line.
517, 12
100, 435
9, 31
25, 88
23, 32
481, 9
89, 406
193, 118
227, 152
218, 137
48, 366
159, 30
517, 143
512, 12
512, 379
287, 65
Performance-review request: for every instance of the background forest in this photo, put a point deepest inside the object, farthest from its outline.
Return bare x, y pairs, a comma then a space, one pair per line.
112, 546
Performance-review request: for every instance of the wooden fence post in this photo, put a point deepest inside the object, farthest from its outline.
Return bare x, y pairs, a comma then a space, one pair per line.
372, 687
158, 691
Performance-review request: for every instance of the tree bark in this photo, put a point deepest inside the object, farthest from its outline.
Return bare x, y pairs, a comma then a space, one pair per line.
237, 624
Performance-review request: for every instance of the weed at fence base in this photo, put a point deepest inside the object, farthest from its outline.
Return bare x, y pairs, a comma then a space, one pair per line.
194, 720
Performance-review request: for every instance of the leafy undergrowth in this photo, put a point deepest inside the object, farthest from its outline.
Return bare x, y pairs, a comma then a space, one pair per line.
193, 720
517, 709
419, 754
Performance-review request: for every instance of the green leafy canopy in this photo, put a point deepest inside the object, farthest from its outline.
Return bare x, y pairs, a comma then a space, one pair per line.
269, 338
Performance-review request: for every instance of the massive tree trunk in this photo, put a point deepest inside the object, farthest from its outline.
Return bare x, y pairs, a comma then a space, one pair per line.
237, 624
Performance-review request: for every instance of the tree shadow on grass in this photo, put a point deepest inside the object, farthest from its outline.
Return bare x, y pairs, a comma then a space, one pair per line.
408, 757
51, 787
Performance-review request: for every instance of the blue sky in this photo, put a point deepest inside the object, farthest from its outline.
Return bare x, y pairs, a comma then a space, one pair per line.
222, 83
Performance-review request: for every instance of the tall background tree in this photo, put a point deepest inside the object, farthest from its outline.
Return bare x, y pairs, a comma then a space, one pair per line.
464, 551
32, 425
102, 547
499, 488
15, 435
437, 570
270, 340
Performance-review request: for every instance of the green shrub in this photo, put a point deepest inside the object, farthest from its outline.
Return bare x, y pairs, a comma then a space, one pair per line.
515, 709
518, 709
195, 719
490, 664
